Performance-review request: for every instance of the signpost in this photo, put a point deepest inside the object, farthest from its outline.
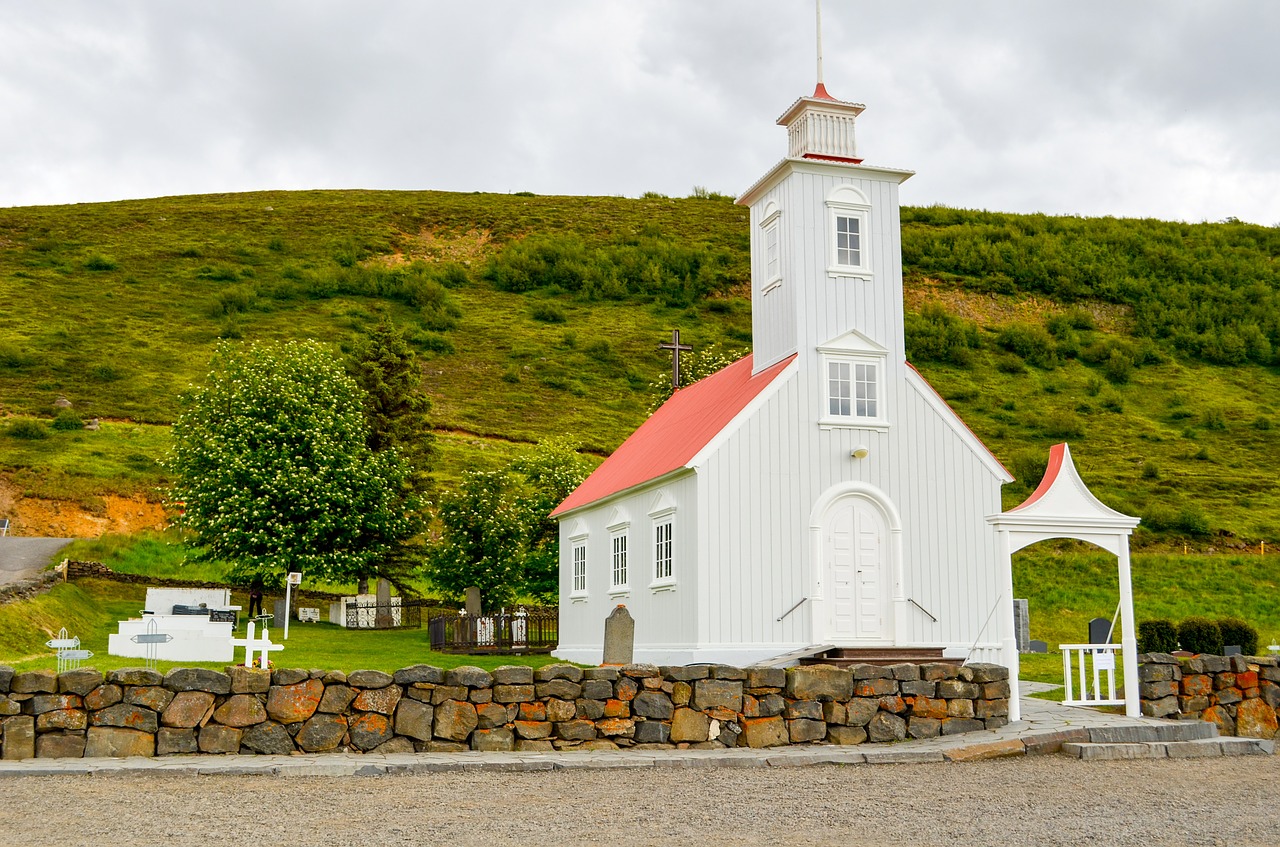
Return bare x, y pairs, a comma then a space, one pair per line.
295, 578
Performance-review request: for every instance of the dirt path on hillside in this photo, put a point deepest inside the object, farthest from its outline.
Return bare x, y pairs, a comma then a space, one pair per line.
1041, 800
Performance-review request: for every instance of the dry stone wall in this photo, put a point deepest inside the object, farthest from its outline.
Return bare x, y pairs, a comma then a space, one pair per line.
1241, 694
140, 712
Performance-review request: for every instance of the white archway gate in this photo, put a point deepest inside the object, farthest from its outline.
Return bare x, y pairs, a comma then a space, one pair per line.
1063, 507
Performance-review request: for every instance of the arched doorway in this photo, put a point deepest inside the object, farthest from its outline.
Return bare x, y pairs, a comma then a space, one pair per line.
856, 544
856, 570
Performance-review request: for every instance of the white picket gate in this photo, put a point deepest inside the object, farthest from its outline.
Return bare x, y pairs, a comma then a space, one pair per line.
1093, 661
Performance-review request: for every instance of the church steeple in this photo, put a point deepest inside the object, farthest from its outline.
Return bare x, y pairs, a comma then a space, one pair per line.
822, 127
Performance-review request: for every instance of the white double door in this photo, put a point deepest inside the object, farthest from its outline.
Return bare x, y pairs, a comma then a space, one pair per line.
855, 557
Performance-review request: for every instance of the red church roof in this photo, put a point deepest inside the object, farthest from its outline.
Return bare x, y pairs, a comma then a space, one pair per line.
676, 432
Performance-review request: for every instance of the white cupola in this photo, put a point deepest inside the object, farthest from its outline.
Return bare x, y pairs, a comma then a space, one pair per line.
822, 127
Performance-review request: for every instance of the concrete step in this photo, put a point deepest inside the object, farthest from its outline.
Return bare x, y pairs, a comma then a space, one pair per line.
847, 656
1198, 748
1147, 733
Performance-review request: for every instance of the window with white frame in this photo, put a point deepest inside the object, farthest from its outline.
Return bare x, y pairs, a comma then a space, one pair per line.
771, 231
849, 240
663, 554
853, 390
579, 557
618, 560
849, 213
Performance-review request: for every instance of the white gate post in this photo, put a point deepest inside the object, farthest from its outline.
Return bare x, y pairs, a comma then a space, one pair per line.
1128, 636
1010, 640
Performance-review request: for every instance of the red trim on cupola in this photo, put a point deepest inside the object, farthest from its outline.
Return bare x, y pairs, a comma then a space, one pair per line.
820, 93
676, 432
822, 158
1056, 454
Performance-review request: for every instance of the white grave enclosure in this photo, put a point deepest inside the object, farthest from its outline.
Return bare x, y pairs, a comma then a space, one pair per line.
195, 637
160, 601
367, 614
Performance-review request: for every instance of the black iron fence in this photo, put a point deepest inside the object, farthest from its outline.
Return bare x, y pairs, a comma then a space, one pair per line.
522, 630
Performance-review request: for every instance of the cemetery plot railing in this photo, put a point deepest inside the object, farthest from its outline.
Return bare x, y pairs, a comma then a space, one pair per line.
1096, 663
406, 614
523, 630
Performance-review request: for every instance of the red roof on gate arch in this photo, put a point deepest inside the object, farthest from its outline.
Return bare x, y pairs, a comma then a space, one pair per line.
676, 432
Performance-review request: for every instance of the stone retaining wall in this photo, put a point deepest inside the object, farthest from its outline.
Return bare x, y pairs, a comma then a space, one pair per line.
1241, 694
25, 589
139, 712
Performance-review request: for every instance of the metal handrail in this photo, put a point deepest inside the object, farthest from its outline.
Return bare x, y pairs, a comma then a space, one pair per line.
792, 609
923, 609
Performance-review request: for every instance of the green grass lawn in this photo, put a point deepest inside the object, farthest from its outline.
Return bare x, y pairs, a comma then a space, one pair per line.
90, 609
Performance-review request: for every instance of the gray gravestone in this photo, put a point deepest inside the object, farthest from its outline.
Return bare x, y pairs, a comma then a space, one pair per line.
1021, 625
1037, 646
278, 608
382, 614
619, 637
1231, 650
473, 601
1100, 631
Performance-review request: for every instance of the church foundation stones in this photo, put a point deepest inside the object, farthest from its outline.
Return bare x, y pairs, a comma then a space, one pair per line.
139, 712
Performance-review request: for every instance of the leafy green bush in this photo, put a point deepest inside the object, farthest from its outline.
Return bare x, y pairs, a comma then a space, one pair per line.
935, 335
1061, 425
27, 428
1032, 342
1157, 636
645, 265
99, 262
1119, 367
234, 298
13, 356
549, 313
1200, 635
1029, 466
1238, 633
67, 421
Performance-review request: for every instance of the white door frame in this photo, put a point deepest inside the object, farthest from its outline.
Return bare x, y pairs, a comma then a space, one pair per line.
820, 611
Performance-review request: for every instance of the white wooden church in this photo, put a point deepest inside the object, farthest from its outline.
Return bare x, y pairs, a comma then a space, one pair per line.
817, 492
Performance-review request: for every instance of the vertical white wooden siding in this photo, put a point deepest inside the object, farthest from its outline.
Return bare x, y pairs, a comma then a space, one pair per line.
665, 619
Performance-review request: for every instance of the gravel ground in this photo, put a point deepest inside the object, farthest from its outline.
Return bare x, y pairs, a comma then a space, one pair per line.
1047, 800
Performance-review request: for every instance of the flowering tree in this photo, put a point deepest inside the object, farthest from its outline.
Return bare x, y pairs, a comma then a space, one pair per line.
552, 470
274, 471
495, 529
481, 542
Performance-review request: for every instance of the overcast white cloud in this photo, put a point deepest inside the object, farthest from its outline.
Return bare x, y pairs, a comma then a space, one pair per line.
1162, 108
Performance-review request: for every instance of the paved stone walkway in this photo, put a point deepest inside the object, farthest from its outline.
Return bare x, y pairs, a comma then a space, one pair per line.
1045, 727
21, 558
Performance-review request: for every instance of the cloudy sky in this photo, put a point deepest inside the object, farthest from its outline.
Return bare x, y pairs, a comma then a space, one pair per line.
1161, 108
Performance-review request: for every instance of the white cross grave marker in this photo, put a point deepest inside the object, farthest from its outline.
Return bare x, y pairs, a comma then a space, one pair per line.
69, 653
263, 645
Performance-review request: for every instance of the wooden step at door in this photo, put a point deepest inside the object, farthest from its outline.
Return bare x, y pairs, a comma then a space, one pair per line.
846, 656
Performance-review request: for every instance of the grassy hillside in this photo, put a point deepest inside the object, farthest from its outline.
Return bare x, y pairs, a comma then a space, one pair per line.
1149, 346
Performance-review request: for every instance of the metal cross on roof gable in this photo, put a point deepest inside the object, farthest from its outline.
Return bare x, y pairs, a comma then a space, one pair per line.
676, 348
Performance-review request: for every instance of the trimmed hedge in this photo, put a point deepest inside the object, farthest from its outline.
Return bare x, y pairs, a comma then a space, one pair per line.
1237, 632
1200, 635
1157, 636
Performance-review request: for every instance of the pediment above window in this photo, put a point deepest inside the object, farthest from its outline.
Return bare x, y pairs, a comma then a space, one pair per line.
853, 342
618, 518
662, 504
